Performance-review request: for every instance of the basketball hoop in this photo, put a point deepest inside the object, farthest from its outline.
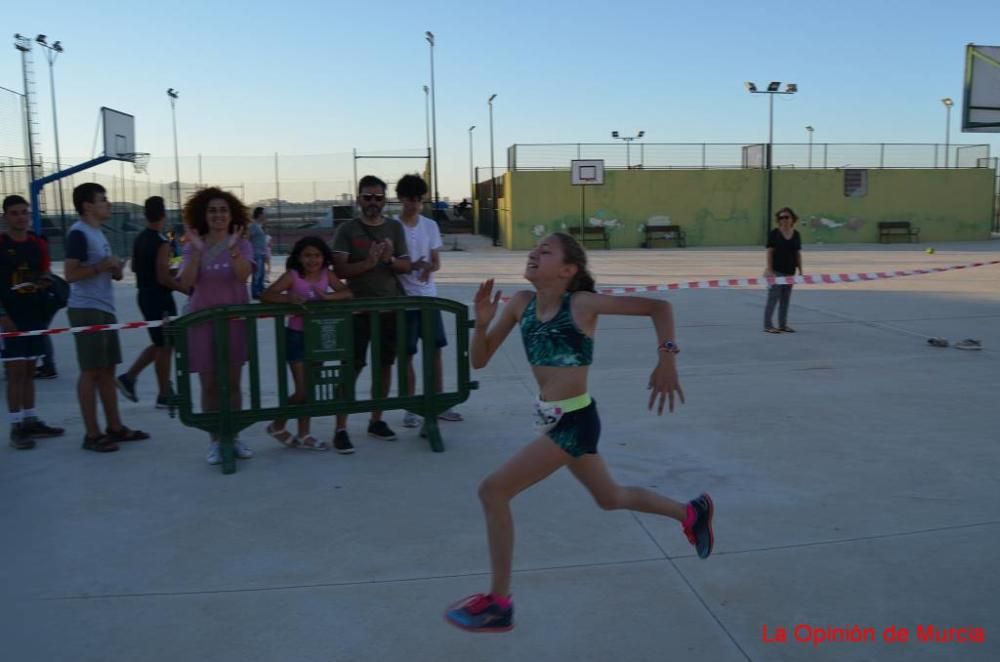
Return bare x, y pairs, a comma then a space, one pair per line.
139, 160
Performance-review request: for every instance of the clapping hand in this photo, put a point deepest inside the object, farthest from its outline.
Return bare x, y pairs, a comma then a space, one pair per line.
193, 238
486, 303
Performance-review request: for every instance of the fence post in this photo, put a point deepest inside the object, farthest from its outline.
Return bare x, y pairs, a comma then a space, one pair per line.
881, 158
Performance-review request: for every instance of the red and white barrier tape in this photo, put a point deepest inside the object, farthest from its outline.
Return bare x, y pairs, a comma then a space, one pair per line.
809, 279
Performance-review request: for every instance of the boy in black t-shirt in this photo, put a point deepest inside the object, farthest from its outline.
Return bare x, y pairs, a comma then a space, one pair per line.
151, 255
24, 268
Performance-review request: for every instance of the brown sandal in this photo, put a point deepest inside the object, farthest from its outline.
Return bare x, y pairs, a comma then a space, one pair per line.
125, 434
99, 444
771, 329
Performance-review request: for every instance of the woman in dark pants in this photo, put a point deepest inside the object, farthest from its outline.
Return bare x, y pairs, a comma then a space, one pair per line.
784, 257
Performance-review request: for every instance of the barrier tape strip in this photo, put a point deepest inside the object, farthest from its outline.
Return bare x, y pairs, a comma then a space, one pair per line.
809, 279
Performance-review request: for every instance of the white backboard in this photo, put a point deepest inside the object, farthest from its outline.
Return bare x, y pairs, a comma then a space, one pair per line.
981, 107
587, 172
119, 134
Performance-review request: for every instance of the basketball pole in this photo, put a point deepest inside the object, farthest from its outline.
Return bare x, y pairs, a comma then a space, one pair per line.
38, 184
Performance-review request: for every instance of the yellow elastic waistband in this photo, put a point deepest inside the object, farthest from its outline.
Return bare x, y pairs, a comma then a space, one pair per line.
570, 404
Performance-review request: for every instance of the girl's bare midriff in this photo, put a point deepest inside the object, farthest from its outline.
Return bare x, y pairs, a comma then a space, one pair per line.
560, 383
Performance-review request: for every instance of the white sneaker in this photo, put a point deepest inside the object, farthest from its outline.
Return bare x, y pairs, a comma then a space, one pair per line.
214, 453
411, 420
243, 451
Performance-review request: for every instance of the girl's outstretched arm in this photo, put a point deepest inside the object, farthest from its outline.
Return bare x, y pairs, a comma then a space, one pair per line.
277, 292
485, 340
663, 382
339, 287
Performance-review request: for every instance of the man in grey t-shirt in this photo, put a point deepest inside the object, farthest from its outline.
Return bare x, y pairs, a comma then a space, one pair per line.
258, 240
370, 252
90, 267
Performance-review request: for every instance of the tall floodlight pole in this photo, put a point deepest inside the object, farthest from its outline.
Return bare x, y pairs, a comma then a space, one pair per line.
628, 145
810, 130
773, 88
493, 179
948, 103
472, 176
427, 115
437, 189
23, 45
52, 51
173, 94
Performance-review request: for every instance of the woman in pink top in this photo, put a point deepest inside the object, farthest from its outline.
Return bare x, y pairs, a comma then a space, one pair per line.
309, 277
217, 263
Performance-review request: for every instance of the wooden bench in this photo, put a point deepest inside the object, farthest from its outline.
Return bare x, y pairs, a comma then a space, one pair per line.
889, 229
591, 234
672, 233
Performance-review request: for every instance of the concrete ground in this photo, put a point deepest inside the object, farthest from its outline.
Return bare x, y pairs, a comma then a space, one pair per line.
854, 470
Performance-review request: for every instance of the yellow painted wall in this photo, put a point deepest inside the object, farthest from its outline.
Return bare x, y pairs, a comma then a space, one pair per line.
947, 205
727, 207
716, 208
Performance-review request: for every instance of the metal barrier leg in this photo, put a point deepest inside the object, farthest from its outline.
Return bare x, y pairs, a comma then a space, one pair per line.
228, 453
433, 433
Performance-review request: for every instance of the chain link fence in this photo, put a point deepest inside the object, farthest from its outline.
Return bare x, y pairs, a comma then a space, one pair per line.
735, 155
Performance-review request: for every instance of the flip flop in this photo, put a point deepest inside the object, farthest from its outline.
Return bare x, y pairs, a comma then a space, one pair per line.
937, 342
282, 436
126, 434
969, 343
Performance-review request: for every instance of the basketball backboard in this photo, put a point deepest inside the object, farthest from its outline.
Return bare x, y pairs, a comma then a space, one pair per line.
981, 107
587, 172
119, 134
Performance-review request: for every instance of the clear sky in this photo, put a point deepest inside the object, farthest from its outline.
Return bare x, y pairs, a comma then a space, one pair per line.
305, 77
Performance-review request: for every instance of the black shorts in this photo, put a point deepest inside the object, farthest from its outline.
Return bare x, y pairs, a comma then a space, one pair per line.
156, 303
363, 335
578, 432
295, 346
22, 348
414, 331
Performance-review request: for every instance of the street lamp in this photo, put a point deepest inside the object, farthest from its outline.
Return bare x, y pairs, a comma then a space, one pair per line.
429, 36
493, 179
52, 51
948, 103
810, 130
774, 87
427, 115
173, 94
628, 144
472, 176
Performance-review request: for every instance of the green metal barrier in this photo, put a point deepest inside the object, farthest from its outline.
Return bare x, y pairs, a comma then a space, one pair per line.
330, 364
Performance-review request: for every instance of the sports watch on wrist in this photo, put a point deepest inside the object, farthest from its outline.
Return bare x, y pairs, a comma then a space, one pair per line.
669, 346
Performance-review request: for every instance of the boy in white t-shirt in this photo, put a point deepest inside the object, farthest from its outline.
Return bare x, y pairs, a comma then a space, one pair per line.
423, 243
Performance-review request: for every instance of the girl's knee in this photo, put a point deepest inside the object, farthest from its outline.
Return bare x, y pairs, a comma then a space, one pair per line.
609, 499
491, 492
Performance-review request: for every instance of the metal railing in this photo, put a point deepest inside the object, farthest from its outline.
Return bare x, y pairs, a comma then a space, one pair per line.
330, 361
